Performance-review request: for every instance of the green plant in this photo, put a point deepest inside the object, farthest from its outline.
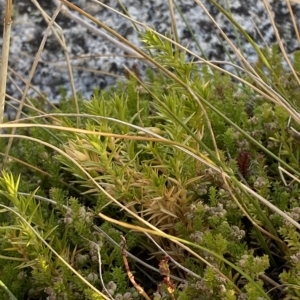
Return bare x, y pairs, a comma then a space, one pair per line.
193, 166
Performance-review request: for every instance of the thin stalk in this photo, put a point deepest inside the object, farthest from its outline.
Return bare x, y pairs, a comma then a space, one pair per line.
173, 23
5, 55
191, 31
63, 261
239, 44
110, 197
293, 19
23, 80
198, 98
261, 87
153, 137
66, 52
240, 29
11, 295
31, 74
127, 14
182, 243
280, 43
124, 46
217, 160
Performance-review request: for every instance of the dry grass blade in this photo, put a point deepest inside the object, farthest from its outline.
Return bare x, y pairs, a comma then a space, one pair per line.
5, 54
279, 41
62, 43
100, 265
189, 184
162, 234
293, 19
143, 263
152, 229
157, 138
56, 253
239, 55
173, 21
23, 80
172, 259
260, 86
65, 11
31, 74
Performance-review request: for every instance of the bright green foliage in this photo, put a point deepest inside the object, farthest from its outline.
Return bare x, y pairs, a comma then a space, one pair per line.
155, 147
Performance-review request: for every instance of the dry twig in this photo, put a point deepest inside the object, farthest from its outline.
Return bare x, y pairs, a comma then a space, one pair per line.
130, 275
165, 271
5, 54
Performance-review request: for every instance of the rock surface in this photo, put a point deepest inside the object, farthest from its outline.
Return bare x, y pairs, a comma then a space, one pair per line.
93, 57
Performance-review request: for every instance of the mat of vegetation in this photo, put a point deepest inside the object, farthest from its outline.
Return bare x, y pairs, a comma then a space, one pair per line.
181, 184
151, 192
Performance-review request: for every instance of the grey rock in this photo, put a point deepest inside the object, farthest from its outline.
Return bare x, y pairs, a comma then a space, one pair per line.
93, 57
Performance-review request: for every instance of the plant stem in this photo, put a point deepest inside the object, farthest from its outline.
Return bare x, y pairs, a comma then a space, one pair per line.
5, 54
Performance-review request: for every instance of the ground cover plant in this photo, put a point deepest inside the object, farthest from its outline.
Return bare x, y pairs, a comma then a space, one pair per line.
180, 183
